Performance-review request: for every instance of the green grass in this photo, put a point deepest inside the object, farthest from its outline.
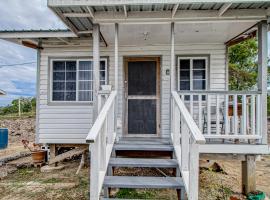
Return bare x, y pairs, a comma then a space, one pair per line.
133, 193
16, 115
52, 180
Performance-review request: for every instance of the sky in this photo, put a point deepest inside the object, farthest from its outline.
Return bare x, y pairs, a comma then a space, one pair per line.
20, 80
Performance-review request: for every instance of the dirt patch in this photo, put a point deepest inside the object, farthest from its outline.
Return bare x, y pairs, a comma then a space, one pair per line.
22, 128
30, 183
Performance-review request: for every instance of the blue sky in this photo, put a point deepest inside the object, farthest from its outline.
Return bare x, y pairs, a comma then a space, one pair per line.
22, 14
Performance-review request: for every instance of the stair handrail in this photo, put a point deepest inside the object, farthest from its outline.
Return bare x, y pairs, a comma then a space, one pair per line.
101, 138
194, 129
186, 137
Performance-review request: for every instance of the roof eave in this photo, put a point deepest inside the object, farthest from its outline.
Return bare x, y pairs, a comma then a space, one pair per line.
56, 3
35, 34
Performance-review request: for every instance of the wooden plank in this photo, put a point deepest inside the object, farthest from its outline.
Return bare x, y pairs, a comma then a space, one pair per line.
143, 182
224, 8
249, 174
96, 67
143, 147
137, 162
234, 148
69, 154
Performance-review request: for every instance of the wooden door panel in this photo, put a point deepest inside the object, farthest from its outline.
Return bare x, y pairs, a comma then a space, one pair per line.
142, 116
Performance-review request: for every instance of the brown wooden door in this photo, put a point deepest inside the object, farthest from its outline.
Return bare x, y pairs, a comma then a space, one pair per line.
142, 96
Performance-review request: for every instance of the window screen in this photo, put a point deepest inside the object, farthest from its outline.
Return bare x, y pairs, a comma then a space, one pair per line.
73, 80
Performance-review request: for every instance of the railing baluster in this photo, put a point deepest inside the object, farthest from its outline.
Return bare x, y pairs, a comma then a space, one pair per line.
217, 116
253, 115
226, 114
235, 114
177, 126
244, 114
191, 104
258, 115
200, 112
208, 114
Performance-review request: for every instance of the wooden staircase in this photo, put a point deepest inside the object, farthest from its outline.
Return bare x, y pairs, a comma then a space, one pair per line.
142, 153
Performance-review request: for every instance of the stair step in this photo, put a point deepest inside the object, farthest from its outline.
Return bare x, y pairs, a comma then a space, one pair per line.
143, 162
118, 199
143, 147
143, 140
143, 182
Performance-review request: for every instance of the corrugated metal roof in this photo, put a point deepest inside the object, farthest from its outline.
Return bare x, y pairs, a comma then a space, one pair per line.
34, 30
84, 23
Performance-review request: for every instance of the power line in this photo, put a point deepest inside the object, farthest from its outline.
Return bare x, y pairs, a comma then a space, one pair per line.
9, 65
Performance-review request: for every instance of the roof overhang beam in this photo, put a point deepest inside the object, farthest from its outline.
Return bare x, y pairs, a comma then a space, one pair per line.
31, 35
224, 8
184, 16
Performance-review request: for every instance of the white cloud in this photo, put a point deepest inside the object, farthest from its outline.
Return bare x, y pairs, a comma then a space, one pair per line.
17, 15
27, 14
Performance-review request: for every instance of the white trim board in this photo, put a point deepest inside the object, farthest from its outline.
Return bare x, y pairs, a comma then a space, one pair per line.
35, 34
141, 2
234, 148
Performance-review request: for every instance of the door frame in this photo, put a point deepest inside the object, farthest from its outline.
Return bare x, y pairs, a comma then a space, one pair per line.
125, 97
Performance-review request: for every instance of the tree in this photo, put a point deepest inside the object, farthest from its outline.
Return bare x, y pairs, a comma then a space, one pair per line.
243, 68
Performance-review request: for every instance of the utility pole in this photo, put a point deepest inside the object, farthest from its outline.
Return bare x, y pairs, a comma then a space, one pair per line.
19, 104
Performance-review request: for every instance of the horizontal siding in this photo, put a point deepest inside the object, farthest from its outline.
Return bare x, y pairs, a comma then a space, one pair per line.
70, 123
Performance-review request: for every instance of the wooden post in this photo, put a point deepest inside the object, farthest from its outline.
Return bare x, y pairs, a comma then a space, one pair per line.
262, 76
172, 58
96, 67
116, 30
249, 174
116, 67
19, 105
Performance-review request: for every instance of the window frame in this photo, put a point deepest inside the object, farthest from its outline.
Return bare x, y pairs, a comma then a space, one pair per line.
77, 60
191, 58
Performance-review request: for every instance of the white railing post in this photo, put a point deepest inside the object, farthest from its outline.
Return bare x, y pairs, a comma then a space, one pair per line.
262, 77
95, 166
184, 146
188, 153
101, 138
194, 172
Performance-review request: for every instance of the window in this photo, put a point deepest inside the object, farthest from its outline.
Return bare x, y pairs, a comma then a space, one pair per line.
192, 73
72, 80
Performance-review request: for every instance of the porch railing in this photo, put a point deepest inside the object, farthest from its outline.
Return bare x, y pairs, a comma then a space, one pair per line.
186, 137
101, 138
225, 114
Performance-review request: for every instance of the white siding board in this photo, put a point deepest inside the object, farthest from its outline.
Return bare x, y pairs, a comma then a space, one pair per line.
68, 123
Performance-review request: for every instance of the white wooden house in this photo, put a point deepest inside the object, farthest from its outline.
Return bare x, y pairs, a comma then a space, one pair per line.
164, 67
